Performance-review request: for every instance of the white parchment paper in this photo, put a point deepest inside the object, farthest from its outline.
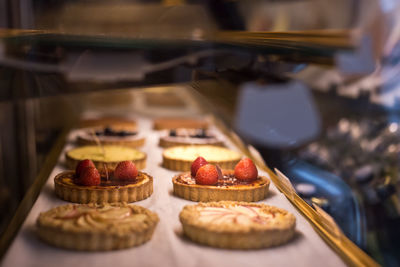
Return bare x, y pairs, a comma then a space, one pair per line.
167, 247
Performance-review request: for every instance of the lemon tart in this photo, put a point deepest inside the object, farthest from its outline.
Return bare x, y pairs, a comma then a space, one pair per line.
180, 158
96, 227
109, 190
102, 156
237, 225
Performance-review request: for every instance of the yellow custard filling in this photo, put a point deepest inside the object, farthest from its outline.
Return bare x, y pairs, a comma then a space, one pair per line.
210, 153
105, 153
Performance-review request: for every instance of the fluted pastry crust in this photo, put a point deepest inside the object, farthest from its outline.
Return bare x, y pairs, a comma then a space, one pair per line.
206, 193
272, 227
96, 227
173, 123
69, 191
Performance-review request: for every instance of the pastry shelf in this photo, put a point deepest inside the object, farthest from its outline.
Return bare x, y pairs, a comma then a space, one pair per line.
317, 242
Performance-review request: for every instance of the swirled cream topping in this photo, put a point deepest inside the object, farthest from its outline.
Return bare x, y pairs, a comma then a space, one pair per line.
236, 214
211, 153
105, 153
99, 218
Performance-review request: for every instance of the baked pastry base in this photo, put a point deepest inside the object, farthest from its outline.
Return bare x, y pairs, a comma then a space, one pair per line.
206, 193
235, 235
67, 190
54, 232
170, 143
173, 123
121, 142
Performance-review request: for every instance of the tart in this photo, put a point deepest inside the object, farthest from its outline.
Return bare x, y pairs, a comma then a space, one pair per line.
237, 225
109, 190
105, 155
179, 158
109, 120
96, 227
111, 135
227, 188
186, 136
174, 123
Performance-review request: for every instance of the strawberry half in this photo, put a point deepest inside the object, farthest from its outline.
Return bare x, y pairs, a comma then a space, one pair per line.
207, 175
126, 170
83, 164
197, 163
245, 170
89, 176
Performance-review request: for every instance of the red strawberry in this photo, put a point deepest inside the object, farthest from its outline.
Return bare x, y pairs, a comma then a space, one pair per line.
126, 170
89, 176
197, 163
207, 175
245, 170
83, 165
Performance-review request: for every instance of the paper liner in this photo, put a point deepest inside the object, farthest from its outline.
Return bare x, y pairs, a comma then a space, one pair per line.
170, 143
184, 165
94, 241
71, 163
202, 193
237, 236
111, 194
130, 143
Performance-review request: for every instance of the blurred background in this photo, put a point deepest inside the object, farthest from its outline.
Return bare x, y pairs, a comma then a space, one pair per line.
313, 85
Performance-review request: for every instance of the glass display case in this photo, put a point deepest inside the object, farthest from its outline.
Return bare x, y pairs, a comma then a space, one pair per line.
305, 88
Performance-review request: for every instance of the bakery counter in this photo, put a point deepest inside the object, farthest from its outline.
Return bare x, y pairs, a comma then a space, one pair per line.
168, 245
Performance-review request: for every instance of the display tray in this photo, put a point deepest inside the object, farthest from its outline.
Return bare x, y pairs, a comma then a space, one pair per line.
168, 246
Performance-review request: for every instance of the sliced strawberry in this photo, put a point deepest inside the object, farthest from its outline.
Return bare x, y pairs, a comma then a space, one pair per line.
245, 170
207, 175
125, 170
197, 163
82, 165
89, 176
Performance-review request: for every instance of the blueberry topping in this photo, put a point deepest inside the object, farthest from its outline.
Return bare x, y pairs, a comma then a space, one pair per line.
172, 132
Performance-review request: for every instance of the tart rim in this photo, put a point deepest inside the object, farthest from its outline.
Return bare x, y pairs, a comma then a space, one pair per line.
52, 232
106, 194
210, 193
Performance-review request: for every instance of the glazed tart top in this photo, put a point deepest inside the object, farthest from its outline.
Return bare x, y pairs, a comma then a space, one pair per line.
105, 153
67, 179
228, 180
237, 216
109, 133
116, 218
210, 153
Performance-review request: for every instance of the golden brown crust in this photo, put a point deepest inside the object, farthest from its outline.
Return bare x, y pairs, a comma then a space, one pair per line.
207, 193
54, 231
173, 123
82, 141
107, 121
108, 194
170, 143
236, 235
